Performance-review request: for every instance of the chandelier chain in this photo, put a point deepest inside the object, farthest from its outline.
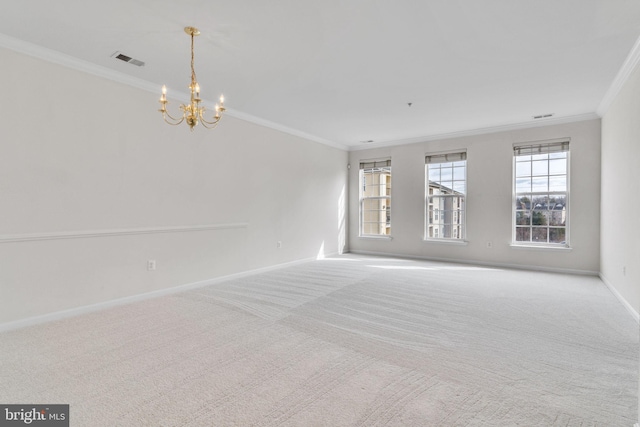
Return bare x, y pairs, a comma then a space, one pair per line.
193, 69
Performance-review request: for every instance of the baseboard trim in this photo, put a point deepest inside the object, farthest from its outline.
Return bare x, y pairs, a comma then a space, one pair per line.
64, 314
11, 238
482, 263
624, 302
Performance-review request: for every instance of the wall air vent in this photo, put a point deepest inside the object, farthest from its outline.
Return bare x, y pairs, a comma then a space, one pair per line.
543, 116
128, 59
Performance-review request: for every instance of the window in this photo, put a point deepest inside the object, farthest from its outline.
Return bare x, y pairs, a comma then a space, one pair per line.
375, 198
446, 188
541, 189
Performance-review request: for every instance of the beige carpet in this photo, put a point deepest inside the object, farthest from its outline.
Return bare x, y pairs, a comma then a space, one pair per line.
347, 341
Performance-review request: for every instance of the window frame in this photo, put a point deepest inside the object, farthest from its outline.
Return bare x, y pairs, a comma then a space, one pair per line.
434, 216
547, 147
368, 165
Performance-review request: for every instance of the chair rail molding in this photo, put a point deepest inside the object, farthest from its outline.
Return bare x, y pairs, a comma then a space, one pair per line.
31, 237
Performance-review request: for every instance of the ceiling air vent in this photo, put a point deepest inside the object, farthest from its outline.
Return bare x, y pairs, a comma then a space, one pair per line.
125, 58
543, 116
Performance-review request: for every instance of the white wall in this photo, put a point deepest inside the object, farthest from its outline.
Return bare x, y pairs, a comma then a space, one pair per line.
90, 178
621, 192
620, 250
489, 200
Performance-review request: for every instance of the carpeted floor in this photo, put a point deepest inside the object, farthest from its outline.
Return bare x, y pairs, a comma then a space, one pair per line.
346, 341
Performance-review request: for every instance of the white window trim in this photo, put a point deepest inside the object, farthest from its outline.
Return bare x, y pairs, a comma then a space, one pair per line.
542, 247
425, 232
361, 235
375, 237
452, 242
532, 245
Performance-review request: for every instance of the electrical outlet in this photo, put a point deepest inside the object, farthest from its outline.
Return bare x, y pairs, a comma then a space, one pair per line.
151, 264
624, 270
279, 244
489, 244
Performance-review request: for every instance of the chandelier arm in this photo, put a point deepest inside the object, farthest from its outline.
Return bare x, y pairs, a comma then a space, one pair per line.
209, 125
215, 120
166, 114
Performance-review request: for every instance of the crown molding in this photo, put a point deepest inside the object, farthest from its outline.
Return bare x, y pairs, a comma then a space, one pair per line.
276, 126
69, 61
481, 131
629, 65
60, 58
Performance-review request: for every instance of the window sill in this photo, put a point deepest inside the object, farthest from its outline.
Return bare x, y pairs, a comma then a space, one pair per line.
560, 248
454, 242
374, 237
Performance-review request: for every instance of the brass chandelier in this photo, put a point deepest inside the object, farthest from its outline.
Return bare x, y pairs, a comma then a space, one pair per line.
194, 112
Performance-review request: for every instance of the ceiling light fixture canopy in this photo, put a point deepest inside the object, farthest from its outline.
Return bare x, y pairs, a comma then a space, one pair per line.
194, 111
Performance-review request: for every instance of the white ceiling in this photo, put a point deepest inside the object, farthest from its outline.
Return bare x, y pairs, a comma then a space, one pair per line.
344, 71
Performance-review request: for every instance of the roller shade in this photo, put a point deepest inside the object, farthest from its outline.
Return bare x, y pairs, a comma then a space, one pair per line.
444, 158
375, 164
540, 148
